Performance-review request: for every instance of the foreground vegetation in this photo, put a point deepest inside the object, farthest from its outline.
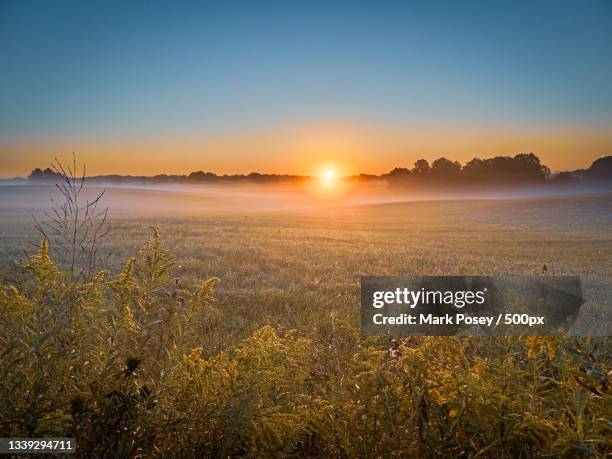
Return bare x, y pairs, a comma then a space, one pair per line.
158, 358
118, 362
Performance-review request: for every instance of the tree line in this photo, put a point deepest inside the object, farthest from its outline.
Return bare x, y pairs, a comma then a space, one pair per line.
523, 169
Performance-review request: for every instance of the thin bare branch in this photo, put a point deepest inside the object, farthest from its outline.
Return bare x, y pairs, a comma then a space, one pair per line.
75, 228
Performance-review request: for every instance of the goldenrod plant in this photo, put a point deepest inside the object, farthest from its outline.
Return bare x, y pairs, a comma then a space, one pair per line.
119, 362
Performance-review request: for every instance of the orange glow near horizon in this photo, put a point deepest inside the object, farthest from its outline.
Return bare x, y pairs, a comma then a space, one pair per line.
358, 148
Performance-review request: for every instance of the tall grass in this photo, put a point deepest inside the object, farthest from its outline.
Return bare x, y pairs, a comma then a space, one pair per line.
121, 363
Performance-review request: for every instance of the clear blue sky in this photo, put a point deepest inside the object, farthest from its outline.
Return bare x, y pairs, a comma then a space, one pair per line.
137, 68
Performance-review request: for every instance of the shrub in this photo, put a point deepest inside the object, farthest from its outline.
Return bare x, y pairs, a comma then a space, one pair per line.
117, 362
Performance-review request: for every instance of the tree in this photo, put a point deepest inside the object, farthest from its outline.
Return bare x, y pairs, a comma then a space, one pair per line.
601, 168
474, 168
398, 173
528, 165
48, 174
399, 176
506, 170
421, 168
201, 176
445, 169
36, 174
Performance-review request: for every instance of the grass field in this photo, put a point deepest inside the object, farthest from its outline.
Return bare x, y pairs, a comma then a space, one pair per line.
299, 270
296, 268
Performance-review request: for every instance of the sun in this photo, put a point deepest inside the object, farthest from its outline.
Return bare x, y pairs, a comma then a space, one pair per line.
328, 177
330, 174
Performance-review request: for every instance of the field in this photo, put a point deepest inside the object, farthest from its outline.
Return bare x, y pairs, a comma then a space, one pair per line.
296, 268
298, 272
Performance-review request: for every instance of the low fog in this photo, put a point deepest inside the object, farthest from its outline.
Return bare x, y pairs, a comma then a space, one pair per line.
223, 199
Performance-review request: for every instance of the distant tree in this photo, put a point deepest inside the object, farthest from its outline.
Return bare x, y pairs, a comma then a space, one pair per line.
165, 178
398, 173
565, 178
201, 176
529, 166
445, 169
36, 174
601, 168
421, 168
48, 174
506, 170
474, 168
398, 177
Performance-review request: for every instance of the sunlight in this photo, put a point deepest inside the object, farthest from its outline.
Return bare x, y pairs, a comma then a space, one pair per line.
329, 177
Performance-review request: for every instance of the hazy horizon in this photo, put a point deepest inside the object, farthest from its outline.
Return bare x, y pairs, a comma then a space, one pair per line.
150, 88
327, 166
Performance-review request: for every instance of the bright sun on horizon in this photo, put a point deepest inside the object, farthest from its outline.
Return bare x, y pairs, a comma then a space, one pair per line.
329, 177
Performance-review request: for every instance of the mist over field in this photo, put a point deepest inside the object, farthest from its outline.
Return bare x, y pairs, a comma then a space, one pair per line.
380, 229
251, 198
202, 199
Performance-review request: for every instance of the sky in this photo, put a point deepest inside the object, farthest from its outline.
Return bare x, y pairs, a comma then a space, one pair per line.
285, 87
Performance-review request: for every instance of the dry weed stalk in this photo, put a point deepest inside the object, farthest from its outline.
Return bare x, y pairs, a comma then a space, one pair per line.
76, 226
